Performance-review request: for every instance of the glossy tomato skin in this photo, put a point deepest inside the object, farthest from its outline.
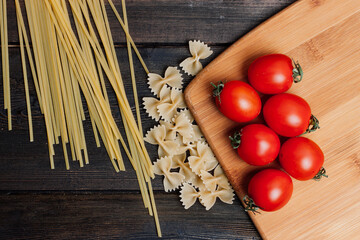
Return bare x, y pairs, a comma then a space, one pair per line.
287, 114
239, 101
271, 74
301, 158
270, 189
259, 144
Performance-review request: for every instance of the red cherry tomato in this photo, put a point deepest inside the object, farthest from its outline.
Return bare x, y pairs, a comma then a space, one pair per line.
256, 144
302, 158
237, 100
274, 73
289, 115
269, 190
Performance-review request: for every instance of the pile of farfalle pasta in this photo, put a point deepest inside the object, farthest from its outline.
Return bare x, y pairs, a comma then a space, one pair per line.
185, 159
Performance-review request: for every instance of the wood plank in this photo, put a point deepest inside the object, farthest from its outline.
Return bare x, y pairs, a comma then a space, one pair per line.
177, 22
329, 52
117, 216
25, 165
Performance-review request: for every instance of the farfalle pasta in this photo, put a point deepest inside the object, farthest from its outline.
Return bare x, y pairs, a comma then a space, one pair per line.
172, 78
208, 198
198, 50
168, 110
203, 160
188, 114
186, 160
180, 125
151, 104
157, 136
188, 195
178, 161
219, 179
172, 180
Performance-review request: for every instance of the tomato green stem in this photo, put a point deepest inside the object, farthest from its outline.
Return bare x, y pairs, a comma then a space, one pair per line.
320, 174
217, 89
313, 124
297, 72
250, 205
235, 140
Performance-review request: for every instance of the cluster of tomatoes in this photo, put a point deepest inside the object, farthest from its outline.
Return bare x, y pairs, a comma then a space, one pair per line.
286, 115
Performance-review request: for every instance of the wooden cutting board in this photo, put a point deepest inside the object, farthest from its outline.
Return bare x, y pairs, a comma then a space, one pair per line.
324, 35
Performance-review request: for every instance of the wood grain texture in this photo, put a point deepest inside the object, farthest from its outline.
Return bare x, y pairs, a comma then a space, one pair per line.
165, 22
323, 36
116, 216
162, 29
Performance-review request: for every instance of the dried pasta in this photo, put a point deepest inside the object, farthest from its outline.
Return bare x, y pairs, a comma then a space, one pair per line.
198, 174
219, 179
157, 136
198, 50
168, 110
203, 160
172, 180
172, 78
208, 198
68, 62
151, 104
178, 161
5, 60
188, 195
188, 114
180, 125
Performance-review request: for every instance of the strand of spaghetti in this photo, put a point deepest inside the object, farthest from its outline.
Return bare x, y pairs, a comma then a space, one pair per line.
26, 84
102, 81
95, 49
78, 101
73, 116
75, 46
68, 101
75, 86
102, 12
156, 217
2, 38
34, 32
96, 16
150, 211
86, 46
29, 54
127, 114
140, 177
109, 151
46, 53
87, 52
2, 32
109, 75
6, 73
74, 63
85, 13
132, 72
109, 54
59, 78
128, 35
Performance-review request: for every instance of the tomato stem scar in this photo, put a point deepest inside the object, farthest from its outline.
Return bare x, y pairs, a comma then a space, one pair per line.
217, 89
250, 205
297, 72
320, 174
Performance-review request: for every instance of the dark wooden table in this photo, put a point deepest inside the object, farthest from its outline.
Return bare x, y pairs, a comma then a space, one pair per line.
94, 202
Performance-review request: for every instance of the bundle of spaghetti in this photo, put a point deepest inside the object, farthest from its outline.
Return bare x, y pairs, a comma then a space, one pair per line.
5, 60
64, 64
97, 10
